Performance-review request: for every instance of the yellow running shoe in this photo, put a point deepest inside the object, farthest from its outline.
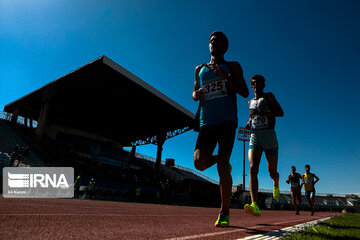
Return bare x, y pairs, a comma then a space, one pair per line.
276, 192
252, 209
222, 220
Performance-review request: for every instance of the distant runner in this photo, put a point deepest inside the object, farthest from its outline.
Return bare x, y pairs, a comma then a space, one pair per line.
216, 85
77, 186
91, 188
309, 186
263, 109
294, 180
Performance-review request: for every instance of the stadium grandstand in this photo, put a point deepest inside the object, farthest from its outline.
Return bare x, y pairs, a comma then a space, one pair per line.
84, 120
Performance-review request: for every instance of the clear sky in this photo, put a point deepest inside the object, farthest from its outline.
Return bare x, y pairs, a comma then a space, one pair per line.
308, 51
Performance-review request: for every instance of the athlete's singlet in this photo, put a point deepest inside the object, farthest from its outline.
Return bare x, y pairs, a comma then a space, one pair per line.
295, 180
308, 182
259, 121
218, 104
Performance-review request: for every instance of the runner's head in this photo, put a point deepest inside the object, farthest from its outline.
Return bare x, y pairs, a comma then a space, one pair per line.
307, 168
293, 169
257, 83
218, 43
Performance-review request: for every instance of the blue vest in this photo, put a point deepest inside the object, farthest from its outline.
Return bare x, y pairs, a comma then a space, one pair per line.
218, 104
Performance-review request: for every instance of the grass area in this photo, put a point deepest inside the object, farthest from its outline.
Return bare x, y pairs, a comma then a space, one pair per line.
342, 227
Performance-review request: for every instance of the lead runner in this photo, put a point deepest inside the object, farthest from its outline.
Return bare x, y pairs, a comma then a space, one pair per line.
216, 85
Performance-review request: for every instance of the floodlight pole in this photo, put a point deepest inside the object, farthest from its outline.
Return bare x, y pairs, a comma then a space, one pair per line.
243, 135
243, 186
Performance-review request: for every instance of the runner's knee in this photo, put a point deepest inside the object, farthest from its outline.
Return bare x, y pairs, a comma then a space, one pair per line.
254, 170
200, 160
199, 165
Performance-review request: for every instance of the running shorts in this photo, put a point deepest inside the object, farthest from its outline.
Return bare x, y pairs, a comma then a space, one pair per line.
223, 134
264, 139
309, 193
296, 192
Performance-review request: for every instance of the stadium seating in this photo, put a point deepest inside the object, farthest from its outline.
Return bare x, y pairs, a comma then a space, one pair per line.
10, 137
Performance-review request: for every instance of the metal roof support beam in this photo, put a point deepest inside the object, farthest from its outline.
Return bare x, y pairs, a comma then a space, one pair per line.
160, 142
14, 116
26, 122
31, 123
42, 120
154, 139
132, 156
45, 98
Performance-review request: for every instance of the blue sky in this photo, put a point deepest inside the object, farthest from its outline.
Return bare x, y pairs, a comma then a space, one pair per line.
308, 51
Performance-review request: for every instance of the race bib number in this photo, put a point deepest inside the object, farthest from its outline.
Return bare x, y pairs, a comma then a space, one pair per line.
295, 184
214, 88
259, 122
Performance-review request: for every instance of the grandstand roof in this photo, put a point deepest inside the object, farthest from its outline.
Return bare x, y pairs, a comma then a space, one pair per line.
103, 98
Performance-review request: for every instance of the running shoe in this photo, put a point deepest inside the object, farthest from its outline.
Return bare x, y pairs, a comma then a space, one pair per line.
252, 209
276, 192
312, 213
222, 220
297, 213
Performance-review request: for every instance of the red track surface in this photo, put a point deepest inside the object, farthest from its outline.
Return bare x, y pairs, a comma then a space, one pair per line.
85, 219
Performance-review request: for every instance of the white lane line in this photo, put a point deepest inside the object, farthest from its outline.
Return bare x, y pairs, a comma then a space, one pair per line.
276, 234
226, 232
205, 235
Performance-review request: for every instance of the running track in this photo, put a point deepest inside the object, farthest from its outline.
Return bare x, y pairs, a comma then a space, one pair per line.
85, 219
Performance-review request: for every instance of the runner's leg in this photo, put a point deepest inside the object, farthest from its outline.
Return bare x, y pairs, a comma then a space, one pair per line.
254, 162
293, 196
272, 167
223, 168
203, 159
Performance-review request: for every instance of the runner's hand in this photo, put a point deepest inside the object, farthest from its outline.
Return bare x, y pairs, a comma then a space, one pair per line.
215, 68
198, 93
248, 125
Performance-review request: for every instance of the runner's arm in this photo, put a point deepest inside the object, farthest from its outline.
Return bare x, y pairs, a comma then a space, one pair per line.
276, 110
317, 179
197, 90
302, 182
288, 181
236, 79
248, 124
